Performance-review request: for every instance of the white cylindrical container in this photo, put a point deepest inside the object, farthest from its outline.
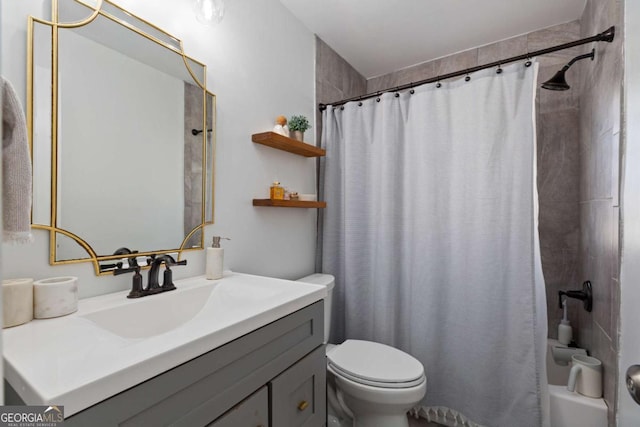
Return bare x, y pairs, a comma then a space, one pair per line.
17, 302
55, 297
215, 259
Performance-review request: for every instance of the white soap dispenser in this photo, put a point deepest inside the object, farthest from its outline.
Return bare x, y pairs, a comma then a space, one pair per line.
565, 333
215, 259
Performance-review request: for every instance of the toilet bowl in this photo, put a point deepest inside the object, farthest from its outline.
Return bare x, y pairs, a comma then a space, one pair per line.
368, 384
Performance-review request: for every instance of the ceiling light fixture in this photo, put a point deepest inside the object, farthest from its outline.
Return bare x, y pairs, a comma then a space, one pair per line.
209, 12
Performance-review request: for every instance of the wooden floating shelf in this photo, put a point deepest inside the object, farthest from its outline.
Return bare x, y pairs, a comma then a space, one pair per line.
289, 203
281, 142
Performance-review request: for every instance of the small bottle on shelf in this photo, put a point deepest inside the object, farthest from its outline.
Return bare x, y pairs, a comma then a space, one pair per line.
276, 192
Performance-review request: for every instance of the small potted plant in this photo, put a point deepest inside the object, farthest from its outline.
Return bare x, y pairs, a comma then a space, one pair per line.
297, 126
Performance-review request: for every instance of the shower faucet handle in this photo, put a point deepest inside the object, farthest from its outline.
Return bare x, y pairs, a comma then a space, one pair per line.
585, 295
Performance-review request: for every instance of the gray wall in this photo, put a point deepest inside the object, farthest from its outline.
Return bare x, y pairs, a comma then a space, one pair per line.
600, 113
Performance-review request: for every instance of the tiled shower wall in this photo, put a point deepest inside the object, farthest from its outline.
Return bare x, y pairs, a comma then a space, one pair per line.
336, 79
600, 112
578, 156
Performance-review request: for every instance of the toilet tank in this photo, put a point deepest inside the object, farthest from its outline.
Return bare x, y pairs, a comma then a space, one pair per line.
323, 280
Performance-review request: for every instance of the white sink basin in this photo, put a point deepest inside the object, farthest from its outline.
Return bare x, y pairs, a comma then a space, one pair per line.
152, 315
113, 343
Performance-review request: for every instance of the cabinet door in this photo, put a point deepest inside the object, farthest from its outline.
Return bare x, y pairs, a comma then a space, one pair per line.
298, 395
251, 412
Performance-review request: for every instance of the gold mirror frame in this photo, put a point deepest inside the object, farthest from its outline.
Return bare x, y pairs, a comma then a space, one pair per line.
174, 45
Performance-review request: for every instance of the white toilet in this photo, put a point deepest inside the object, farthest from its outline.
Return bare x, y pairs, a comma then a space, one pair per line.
369, 384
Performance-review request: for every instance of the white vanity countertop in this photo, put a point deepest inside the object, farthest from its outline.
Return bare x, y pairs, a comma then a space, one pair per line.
72, 361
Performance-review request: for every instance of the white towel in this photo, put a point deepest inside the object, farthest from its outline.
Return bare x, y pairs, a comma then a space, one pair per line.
16, 169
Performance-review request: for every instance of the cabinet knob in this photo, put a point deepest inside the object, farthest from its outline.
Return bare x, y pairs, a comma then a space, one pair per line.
303, 405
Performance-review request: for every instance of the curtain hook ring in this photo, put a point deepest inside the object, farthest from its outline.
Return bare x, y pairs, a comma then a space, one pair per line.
528, 63
411, 91
499, 70
438, 84
467, 78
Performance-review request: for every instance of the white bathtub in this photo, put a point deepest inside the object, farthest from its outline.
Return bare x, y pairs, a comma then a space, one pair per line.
570, 409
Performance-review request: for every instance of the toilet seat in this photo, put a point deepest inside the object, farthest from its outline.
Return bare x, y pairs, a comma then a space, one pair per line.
375, 365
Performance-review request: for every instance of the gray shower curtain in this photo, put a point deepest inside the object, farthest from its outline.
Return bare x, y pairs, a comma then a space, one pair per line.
431, 232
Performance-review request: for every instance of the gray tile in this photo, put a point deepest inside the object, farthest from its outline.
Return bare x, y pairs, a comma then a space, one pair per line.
602, 284
603, 166
404, 76
558, 156
615, 315
584, 334
602, 350
327, 63
334, 70
353, 84
587, 20
456, 62
615, 169
559, 224
596, 223
552, 100
606, 85
382, 82
552, 36
597, 165
326, 92
502, 49
560, 267
615, 242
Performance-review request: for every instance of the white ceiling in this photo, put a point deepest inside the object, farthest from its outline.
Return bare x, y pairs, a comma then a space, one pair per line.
380, 36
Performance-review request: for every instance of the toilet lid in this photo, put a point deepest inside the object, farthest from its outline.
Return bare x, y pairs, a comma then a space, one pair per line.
375, 364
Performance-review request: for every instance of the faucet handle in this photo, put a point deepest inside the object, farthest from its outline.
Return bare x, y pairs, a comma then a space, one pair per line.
137, 290
170, 261
167, 282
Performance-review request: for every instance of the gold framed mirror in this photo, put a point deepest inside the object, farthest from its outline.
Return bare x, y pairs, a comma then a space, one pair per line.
122, 134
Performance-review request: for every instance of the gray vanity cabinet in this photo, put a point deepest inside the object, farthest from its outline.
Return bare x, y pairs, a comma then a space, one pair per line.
273, 376
298, 395
253, 411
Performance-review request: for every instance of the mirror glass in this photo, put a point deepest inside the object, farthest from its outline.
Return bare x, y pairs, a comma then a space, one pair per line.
126, 158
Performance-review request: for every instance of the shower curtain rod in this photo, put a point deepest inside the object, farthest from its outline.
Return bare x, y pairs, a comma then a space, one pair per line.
606, 36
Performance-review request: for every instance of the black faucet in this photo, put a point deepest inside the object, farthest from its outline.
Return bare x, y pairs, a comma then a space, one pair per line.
153, 287
585, 295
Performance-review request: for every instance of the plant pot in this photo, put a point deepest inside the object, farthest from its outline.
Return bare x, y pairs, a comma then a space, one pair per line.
296, 134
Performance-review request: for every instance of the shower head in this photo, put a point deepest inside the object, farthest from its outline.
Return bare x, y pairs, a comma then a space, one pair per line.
558, 81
